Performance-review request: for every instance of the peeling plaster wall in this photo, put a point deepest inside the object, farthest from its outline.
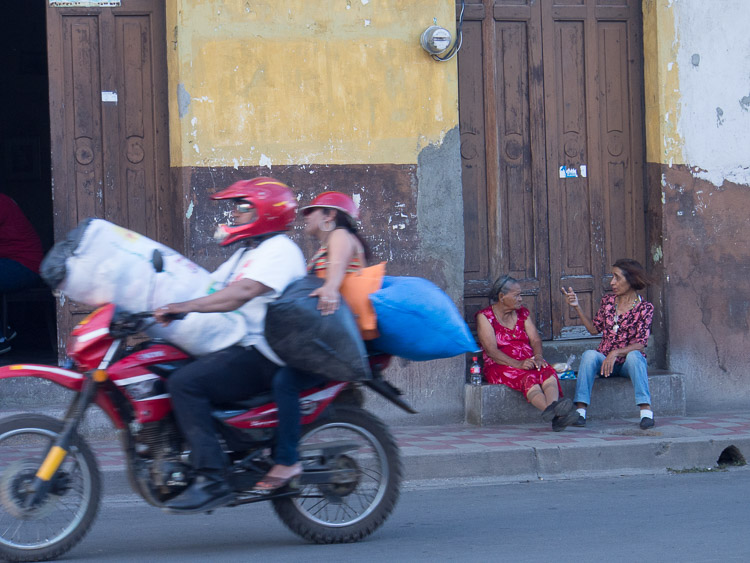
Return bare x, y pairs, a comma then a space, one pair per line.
333, 94
714, 76
276, 82
698, 111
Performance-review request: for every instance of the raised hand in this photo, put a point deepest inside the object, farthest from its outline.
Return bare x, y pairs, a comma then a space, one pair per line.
571, 296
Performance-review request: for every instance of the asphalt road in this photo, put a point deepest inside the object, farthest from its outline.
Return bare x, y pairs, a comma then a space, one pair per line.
683, 518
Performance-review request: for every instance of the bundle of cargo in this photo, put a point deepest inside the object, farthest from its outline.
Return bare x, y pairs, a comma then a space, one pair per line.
100, 262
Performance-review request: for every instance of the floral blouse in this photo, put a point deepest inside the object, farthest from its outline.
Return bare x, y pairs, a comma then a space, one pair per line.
632, 327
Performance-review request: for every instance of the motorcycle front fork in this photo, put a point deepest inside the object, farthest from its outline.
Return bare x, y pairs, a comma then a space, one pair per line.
59, 450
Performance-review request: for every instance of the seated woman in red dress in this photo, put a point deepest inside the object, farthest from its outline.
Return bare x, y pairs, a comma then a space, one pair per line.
512, 352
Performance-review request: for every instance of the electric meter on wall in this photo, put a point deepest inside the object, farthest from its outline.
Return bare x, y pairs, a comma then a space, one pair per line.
435, 39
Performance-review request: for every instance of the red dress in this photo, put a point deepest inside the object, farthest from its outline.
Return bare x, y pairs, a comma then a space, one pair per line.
514, 343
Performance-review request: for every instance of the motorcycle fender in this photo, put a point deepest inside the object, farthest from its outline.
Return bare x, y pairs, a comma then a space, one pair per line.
64, 377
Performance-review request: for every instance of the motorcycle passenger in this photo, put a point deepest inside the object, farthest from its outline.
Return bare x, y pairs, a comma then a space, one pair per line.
255, 275
332, 219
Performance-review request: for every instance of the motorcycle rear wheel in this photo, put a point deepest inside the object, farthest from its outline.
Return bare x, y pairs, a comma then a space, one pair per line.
65, 515
347, 512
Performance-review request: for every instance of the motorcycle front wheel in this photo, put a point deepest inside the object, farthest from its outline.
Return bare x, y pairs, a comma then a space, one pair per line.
352, 509
51, 527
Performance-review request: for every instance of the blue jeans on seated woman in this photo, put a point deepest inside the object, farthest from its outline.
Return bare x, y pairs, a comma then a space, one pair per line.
287, 385
633, 367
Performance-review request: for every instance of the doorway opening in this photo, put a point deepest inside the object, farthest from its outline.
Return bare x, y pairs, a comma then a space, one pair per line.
25, 160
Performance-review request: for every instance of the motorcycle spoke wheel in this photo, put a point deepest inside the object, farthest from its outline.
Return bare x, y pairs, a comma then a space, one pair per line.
356, 505
64, 514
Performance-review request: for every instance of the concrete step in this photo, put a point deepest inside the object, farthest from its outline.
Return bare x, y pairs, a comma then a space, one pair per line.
559, 350
486, 405
31, 392
96, 425
39, 396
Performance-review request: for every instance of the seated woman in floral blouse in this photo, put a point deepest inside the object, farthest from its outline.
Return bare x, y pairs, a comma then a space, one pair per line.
624, 320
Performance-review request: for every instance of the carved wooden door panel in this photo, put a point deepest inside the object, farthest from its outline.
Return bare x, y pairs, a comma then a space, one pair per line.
502, 148
550, 97
108, 110
595, 172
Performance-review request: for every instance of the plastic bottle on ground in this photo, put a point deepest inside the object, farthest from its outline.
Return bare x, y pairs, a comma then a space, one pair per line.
475, 372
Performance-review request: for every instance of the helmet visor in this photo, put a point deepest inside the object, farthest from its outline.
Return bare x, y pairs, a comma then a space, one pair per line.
243, 212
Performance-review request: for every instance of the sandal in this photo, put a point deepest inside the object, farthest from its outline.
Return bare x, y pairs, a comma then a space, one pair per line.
269, 483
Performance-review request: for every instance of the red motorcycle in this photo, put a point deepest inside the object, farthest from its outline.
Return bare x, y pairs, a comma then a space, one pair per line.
50, 485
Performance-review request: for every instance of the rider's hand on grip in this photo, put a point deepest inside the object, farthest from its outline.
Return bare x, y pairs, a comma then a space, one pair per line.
168, 313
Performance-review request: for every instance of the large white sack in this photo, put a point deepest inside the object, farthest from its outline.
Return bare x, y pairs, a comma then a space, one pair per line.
111, 264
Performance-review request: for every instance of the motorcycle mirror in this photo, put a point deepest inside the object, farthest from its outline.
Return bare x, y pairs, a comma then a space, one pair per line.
158, 261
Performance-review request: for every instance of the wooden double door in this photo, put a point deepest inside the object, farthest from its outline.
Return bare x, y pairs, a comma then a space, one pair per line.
552, 146
108, 121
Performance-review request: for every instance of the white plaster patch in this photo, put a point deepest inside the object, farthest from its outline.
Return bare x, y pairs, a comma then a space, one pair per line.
367, 23
739, 175
194, 121
235, 163
264, 161
189, 211
195, 148
365, 2
713, 124
357, 199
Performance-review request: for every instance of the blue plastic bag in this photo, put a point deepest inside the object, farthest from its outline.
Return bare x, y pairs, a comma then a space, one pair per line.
418, 321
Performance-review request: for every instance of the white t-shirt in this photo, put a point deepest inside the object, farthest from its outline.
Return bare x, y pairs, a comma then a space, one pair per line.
276, 262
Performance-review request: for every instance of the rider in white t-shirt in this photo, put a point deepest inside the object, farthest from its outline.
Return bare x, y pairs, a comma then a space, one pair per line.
275, 263
253, 277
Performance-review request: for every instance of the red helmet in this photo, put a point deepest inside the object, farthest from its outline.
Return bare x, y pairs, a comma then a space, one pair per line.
273, 200
336, 200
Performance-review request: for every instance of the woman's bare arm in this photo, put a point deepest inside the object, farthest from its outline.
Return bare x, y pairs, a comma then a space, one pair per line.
486, 335
573, 302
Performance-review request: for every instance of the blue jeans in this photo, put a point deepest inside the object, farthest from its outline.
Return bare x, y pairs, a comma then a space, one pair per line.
287, 385
633, 367
15, 276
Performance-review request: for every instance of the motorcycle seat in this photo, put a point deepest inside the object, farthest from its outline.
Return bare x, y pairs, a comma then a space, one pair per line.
247, 404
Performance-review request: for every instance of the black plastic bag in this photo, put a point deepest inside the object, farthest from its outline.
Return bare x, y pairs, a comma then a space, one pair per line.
330, 345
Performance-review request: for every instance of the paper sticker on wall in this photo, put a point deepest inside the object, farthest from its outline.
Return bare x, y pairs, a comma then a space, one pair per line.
566, 172
583, 170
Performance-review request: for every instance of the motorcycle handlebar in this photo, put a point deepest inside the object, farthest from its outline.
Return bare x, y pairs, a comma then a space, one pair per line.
176, 316
126, 324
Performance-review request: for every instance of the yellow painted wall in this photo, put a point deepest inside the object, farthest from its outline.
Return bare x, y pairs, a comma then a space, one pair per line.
661, 83
306, 81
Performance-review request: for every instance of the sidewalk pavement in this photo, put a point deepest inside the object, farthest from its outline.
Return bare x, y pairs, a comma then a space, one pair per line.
524, 452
